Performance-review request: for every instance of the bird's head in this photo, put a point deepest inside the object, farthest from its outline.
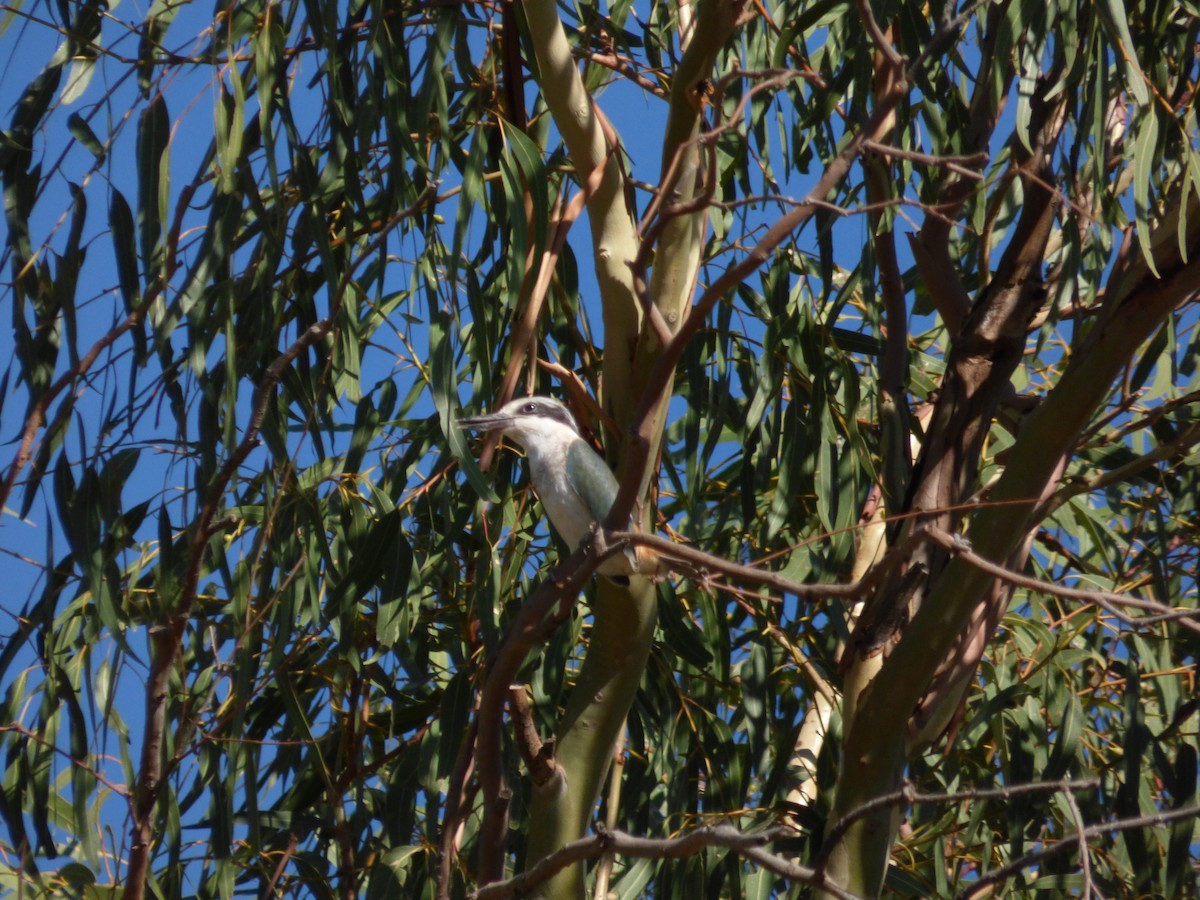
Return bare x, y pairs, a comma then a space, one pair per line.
531, 421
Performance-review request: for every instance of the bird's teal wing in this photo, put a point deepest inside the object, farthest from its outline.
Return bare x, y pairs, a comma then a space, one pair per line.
591, 479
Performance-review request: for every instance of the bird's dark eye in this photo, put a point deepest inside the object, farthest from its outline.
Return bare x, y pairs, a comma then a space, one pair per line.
529, 407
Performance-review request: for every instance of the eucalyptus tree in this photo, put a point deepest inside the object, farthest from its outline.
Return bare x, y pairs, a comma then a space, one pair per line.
883, 314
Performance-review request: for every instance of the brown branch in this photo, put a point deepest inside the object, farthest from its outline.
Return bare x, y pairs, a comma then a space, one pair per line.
1150, 418
698, 565
894, 426
959, 165
929, 245
1085, 864
511, 67
883, 45
284, 859
996, 876
538, 755
908, 795
749, 846
623, 66
1164, 451
1106, 600
458, 802
651, 225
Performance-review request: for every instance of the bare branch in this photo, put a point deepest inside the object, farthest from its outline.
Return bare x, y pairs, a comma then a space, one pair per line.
1164, 451
996, 876
749, 846
1106, 600
1085, 864
908, 795
697, 564
960, 165
623, 65
537, 754
883, 44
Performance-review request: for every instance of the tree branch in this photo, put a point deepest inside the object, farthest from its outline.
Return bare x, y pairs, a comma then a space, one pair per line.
995, 876
697, 565
1106, 600
1164, 451
908, 795
691, 843
538, 755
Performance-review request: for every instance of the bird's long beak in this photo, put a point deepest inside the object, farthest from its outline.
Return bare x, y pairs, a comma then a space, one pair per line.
491, 422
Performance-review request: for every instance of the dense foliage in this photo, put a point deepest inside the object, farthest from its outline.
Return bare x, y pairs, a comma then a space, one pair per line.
854, 270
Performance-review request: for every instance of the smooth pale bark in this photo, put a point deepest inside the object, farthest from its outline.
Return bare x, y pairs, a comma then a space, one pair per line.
622, 634
624, 619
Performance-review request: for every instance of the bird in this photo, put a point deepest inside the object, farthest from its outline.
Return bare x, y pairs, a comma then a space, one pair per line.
575, 486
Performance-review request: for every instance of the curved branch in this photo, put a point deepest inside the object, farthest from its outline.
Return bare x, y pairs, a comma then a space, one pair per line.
749, 846
698, 565
996, 876
1106, 600
908, 795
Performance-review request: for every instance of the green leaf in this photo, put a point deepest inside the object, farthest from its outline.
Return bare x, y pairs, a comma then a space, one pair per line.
1112, 15
1144, 154
84, 134
154, 178
1066, 742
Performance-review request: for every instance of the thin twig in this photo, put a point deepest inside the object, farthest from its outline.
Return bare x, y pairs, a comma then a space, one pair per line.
1085, 863
17, 728
957, 164
622, 65
1164, 451
698, 564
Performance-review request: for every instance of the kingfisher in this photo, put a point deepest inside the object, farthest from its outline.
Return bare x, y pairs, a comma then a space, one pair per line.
575, 486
